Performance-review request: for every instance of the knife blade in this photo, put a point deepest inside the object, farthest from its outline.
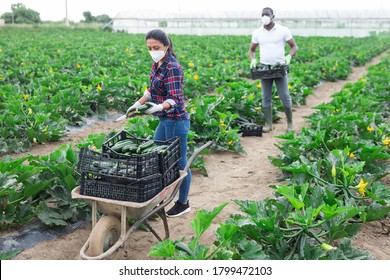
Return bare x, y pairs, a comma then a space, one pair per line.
121, 118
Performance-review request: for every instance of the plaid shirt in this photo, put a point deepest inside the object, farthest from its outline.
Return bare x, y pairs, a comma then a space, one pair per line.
166, 85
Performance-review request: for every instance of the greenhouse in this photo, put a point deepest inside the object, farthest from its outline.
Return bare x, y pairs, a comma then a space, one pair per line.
356, 23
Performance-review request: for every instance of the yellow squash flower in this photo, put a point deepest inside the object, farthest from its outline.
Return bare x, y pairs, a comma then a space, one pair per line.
351, 155
99, 88
361, 187
25, 96
230, 142
386, 142
370, 128
78, 66
196, 77
191, 64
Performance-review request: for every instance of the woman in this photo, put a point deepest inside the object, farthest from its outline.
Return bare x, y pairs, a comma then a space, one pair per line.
165, 94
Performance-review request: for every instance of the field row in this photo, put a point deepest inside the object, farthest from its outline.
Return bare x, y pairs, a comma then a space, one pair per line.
51, 78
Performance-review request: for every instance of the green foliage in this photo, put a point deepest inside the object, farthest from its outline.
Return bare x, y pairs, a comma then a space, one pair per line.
89, 18
331, 170
25, 189
54, 77
21, 14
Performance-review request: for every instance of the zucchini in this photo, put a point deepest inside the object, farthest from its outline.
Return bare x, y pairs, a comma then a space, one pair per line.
131, 147
143, 107
149, 149
162, 149
119, 145
138, 111
145, 145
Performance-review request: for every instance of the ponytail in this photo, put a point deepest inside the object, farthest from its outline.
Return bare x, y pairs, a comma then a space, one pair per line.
170, 47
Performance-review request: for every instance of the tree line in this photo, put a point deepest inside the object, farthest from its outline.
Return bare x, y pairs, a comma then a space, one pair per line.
22, 15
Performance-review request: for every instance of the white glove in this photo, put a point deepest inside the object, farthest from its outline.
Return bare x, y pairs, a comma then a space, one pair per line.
288, 59
253, 63
133, 107
154, 108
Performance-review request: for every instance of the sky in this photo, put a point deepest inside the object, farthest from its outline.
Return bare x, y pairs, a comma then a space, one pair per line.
56, 10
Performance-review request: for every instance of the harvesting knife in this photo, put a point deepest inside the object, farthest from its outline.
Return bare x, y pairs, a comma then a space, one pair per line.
121, 118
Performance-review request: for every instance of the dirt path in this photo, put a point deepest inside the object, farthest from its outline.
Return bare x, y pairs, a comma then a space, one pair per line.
230, 177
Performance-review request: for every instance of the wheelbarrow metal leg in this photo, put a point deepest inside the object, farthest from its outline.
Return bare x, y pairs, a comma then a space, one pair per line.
123, 221
161, 214
94, 213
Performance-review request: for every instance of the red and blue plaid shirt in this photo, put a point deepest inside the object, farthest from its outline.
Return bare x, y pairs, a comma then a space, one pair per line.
166, 85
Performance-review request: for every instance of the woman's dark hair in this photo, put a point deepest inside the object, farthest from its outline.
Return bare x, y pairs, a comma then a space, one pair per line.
162, 37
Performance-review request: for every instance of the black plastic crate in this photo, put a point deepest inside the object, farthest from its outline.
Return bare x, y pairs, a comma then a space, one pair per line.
167, 159
136, 166
170, 158
253, 130
267, 72
120, 188
171, 175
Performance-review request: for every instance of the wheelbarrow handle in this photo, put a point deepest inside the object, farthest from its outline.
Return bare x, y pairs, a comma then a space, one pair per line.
195, 153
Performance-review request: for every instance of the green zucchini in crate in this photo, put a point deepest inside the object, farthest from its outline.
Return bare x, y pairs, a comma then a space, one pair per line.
135, 166
128, 156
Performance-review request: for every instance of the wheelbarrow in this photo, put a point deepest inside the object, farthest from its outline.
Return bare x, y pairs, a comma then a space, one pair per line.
111, 231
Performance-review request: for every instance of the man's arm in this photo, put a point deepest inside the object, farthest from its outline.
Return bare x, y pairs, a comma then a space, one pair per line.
293, 46
252, 49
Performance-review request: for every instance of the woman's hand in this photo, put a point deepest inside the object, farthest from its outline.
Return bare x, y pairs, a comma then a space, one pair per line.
154, 108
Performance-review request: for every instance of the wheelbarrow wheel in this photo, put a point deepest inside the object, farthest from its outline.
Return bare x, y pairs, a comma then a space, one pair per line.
105, 233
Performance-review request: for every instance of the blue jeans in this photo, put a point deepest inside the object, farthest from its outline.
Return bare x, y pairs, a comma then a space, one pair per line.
167, 129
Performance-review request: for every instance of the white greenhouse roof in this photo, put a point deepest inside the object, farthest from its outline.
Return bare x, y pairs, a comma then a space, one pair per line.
230, 15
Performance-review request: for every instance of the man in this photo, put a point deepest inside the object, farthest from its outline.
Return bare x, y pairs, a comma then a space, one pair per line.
271, 37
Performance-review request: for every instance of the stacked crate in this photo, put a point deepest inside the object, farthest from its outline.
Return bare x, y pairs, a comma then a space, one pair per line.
135, 176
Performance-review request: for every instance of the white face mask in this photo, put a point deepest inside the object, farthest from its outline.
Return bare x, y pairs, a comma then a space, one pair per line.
266, 20
157, 55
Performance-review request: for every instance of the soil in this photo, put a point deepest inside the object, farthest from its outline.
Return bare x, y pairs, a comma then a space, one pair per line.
230, 176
